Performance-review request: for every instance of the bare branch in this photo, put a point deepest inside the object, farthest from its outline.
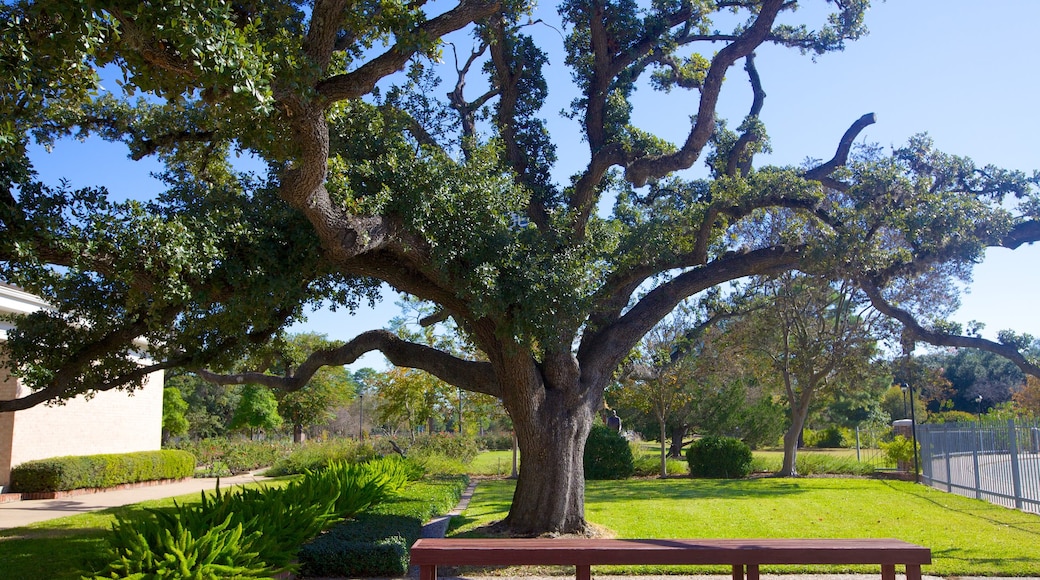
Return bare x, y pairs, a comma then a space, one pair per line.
737, 161
643, 170
359, 82
919, 332
841, 156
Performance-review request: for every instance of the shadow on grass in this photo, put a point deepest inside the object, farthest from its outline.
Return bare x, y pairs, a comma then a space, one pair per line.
693, 489
53, 554
980, 509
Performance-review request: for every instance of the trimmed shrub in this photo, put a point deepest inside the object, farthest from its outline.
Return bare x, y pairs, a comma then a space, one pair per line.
607, 455
370, 545
829, 438
86, 471
376, 543
719, 457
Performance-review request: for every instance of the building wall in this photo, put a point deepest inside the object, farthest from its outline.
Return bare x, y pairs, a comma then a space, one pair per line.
109, 422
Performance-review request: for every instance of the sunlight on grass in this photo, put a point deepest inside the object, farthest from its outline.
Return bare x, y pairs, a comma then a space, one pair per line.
967, 537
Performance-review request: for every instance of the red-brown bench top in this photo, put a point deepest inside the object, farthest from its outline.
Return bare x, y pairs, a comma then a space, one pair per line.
428, 553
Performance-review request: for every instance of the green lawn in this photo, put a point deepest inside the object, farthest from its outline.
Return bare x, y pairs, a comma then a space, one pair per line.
967, 537
493, 463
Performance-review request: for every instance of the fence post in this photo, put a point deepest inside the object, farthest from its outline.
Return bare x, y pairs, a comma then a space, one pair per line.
857, 444
1016, 471
946, 456
975, 460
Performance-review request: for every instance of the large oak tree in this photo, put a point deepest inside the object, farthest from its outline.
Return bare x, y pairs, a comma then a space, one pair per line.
363, 187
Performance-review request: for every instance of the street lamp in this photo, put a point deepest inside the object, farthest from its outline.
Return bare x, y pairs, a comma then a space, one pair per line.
978, 402
913, 428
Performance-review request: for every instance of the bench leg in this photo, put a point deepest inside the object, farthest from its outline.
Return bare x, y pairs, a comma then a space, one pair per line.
738, 572
427, 572
752, 572
583, 572
913, 572
888, 572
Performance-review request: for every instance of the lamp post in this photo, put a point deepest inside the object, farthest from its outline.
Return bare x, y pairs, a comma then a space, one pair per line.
978, 403
913, 428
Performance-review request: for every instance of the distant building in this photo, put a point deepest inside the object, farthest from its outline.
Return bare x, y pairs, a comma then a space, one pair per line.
110, 422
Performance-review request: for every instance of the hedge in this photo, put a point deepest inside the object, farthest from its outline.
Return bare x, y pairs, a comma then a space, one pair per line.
87, 471
376, 543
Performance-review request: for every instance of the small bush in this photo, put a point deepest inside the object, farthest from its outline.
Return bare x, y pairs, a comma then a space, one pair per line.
607, 455
238, 455
647, 465
829, 438
719, 457
900, 449
67, 473
952, 417
463, 449
315, 455
496, 442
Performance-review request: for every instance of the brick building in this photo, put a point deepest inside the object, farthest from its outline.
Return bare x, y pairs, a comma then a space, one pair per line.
110, 422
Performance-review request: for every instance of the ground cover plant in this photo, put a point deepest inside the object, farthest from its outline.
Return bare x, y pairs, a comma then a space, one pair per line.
966, 536
71, 547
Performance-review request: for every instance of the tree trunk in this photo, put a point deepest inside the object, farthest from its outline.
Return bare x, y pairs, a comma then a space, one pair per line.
550, 488
664, 458
298, 435
799, 412
678, 434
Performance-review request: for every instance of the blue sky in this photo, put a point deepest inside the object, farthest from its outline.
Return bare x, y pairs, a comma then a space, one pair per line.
963, 71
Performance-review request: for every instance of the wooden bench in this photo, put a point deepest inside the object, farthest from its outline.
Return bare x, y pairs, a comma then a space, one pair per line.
428, 553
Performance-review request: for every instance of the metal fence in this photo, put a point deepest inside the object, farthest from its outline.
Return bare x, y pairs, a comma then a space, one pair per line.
995, 461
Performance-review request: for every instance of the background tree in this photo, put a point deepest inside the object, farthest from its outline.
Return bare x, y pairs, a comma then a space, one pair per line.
174, 421
820, 336
257, 412
1027, 398
210, 406
328, 388
357, 191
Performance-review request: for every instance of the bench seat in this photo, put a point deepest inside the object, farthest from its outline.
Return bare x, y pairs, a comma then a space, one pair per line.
429, 553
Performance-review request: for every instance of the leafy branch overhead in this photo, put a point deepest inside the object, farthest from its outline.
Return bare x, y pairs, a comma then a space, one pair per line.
449, 198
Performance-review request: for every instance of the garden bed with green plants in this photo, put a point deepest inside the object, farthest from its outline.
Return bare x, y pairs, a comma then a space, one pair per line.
274, 519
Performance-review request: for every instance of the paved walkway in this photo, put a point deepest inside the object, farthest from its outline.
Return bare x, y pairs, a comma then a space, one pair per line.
22, 513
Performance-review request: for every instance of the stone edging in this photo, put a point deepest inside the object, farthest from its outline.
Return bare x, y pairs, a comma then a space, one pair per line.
10, 497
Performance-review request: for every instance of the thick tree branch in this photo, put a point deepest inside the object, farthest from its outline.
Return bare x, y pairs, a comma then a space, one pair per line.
737, 161
469, 375
1023, 233
360, 82
49, 393
919, 332
606, 347
643, 170
841, 156
320, 43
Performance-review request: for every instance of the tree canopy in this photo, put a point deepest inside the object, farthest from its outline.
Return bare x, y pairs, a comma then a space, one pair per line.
450, 201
